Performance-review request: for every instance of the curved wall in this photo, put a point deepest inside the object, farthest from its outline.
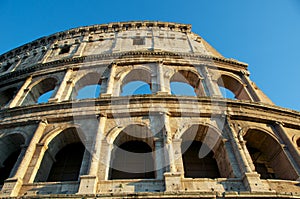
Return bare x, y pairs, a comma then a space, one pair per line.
92, 112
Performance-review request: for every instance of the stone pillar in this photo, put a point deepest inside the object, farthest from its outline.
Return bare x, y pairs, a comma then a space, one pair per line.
251, 179
81, 46
110, 81
105, 160
238, 149
162, 90
251, 89
154, 83
177, 155
292, 150
68, 88
13, 185
88, 183
173, 178
211, 84
176, 173
21, 93
159, 158
35, 162
62, 87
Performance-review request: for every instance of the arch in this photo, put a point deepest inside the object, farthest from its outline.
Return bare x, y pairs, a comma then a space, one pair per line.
187, 79
268, 156
234, 85
10, 146
7, 95
59, 145
49, 136
136, 82
133, 147
203, 152
37, 89
88, 86
298, 142
116, 130
67, 163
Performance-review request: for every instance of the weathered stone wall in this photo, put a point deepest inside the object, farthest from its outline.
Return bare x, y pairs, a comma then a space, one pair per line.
158, 54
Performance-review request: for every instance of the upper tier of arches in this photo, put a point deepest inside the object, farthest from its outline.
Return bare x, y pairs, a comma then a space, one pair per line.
140, 79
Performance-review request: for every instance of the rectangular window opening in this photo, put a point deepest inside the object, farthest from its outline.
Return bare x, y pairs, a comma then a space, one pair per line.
139, 41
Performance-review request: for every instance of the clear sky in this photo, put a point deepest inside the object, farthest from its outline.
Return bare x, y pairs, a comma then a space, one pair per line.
263, 33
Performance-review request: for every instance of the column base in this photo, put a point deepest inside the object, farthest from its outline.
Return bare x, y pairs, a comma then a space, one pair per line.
173, 181
162, 93
105, 95
253, 183
88, 184
11, 187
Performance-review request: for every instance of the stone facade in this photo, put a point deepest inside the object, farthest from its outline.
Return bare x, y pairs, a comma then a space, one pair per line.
156, 144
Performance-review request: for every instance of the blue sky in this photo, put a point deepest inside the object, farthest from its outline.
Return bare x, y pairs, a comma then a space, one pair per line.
263, 33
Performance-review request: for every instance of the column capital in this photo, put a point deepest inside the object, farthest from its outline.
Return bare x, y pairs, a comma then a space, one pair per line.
280, 123
245, 72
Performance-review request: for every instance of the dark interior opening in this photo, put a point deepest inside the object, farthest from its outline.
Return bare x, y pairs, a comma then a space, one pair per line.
261, 163
195, 167
67, 164
138, 164
8, 166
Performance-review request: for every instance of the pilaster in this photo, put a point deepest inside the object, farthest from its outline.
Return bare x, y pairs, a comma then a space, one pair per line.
88, 183
13, 185
21, 93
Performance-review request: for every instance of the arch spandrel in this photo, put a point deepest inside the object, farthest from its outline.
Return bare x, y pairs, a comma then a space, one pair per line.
115, 132
50, 135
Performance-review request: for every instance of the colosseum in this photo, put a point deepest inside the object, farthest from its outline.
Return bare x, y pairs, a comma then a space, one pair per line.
140, 110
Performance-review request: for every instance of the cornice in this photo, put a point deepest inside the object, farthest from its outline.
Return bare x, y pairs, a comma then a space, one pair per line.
114, 56
98, 28
237, 109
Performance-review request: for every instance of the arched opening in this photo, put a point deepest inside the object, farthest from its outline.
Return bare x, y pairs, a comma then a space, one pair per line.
68, 163
232, 87
63, 159
186, 83
226, 93
137, 160
10, 146
88, 92
182, 89
45, 97
7, 95
268, 157
298, 142
36, 92
132, 156
89, 86
204, 154
136, 88
199, 167
8, 165
136, 82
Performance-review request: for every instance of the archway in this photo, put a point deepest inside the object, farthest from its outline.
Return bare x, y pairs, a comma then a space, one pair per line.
268, 157
199, 167
136, 82
186, 83
132, 156
88, 86
42, 87
10, 146
63, 158
232, 88
136, 155
203, 153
